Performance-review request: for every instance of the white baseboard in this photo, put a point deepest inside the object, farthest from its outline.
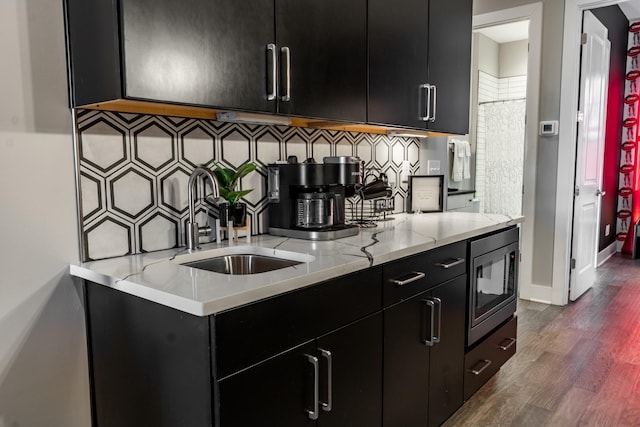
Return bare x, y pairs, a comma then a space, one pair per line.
607, 253
537, 293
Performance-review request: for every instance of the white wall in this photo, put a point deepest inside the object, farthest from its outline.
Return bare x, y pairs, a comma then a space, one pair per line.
547, 148
513, 58
43, 361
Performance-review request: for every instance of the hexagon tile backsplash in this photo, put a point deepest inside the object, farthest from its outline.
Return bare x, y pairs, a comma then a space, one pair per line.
134, 170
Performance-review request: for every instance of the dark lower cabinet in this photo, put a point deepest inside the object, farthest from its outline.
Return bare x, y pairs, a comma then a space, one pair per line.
423, 384
344, 367
149, 364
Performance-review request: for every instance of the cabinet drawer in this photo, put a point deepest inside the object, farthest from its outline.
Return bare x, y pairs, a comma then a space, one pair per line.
485, 360
404, 278
255, 332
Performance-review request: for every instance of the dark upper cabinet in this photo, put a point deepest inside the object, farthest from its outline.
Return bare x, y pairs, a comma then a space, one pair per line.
420, 64
198, 52
398, 61
289, 57
450, 23
323, 74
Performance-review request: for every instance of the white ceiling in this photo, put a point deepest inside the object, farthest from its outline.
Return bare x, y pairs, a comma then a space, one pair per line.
631, 8
506, 33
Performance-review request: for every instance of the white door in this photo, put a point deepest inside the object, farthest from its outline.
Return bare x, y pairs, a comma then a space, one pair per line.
594, 77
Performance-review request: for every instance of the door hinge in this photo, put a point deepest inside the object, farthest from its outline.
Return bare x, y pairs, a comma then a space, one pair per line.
580, 116
573, 263
583, 38
576, 191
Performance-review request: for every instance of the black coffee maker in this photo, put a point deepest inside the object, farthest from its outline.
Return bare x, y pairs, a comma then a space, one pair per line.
307, 200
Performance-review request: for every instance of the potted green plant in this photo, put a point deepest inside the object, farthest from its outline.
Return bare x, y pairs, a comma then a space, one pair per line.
228, 180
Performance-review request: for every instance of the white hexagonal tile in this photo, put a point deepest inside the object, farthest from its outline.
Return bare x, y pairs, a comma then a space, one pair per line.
158, 233
103, 145
397, 153
132, 193
267, 147
382, 153
344, 147
320, 148
197, 146
92, 196
108, 239
235, 148
295, 145
256, 181
154, 146
364, 150
173, 190
413, 153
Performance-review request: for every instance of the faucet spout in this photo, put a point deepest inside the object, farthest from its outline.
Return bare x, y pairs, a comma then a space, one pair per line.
193, 232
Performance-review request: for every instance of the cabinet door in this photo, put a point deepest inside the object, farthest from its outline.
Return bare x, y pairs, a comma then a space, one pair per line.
450, 63
447, 356
203, 52
327, 42
275, 393
406, 363
355, 353
398, 35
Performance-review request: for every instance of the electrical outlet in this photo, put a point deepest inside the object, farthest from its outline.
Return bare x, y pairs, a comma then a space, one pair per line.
607, 229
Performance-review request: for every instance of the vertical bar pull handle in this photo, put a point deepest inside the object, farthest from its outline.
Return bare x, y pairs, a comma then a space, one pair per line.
274, 72
438, 302
287, 76
429, 340
313, 413
435, 102
326, 406
424, 88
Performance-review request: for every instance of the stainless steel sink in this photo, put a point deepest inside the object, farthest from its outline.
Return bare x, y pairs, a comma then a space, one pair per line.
241, 264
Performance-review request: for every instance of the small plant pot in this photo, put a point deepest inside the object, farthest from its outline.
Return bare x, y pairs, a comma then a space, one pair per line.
234, 212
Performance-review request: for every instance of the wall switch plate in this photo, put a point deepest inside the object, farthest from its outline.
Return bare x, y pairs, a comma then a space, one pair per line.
607, 229
433, 167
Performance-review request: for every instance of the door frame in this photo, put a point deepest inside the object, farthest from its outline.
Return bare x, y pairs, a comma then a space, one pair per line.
565, 179
533, 13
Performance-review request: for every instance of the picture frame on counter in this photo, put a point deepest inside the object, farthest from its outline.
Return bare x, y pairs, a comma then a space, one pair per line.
426, 193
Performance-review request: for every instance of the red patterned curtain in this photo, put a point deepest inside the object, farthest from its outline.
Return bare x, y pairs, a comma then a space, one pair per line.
629, 185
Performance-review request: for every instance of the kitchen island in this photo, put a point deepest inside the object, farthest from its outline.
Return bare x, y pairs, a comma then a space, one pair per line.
366, 330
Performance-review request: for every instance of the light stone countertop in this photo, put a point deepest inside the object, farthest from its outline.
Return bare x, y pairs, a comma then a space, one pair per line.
158, 276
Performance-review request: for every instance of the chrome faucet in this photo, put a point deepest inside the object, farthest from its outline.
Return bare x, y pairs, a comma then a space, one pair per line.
193, 232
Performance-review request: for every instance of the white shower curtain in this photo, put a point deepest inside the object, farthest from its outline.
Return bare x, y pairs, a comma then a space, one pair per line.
504, 157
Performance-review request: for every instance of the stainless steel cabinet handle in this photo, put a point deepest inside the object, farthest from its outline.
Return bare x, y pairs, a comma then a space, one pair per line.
438, 302
274, 72
326, 406
417, 275
424, 88
506, 347
287, 76
453, 263
479, 371
313, 414
435, 102
429, 341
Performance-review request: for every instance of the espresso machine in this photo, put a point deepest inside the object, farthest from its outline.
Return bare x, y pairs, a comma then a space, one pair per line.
307, 200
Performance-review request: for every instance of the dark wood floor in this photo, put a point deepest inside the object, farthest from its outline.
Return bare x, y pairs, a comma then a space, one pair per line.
577, 365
